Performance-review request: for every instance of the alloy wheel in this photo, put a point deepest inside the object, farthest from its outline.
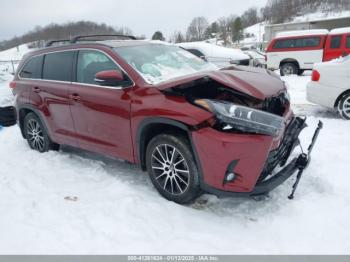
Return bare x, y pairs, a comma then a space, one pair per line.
170, 169
345, 108
35, 135
288, 70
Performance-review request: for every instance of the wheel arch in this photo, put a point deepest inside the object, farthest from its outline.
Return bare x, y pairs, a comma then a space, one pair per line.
151, 127
290, 60
346, 92
26, 109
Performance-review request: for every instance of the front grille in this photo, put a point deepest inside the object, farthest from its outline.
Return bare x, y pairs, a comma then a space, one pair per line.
282, 153
278, 104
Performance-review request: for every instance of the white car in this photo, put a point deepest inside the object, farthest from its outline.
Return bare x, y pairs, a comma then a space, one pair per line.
218, 55
330, 85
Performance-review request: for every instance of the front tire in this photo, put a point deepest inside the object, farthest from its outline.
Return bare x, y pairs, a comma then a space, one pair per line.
344, 107
288, 69
36, 134
172, 169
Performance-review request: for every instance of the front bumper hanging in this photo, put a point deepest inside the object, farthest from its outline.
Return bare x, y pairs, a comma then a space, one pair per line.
297, 164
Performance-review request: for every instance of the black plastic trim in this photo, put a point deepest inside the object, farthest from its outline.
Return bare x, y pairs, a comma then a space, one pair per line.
171, 122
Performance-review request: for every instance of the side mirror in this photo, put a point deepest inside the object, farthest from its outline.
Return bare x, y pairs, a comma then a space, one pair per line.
109, 77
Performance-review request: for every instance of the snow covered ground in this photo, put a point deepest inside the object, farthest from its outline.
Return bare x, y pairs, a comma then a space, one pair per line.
15, 55
73, 202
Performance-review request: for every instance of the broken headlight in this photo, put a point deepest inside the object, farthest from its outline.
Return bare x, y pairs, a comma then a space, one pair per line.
244, 118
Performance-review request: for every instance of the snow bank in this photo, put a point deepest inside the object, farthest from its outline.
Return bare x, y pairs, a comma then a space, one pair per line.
15, 53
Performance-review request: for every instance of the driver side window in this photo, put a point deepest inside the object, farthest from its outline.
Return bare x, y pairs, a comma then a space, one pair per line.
90, 63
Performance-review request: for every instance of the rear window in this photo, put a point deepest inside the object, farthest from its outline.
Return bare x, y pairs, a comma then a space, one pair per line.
298, 43
32, 69
58, 66
335, 42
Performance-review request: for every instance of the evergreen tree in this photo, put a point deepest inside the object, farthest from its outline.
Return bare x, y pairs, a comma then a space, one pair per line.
158, 36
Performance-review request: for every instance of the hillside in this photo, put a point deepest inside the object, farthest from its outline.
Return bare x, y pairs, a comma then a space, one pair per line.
255, 33
62, 31
280, 11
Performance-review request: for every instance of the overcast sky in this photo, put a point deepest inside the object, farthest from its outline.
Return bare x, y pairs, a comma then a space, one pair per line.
141, 16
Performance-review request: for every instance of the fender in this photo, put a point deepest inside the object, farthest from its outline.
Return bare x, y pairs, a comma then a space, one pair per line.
37, 112
170, 122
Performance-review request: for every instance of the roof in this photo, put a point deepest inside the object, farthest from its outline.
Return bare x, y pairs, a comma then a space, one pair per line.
342, 30
302, 33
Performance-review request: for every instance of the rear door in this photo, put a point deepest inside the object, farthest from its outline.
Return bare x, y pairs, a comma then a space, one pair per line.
101, 113
50, 96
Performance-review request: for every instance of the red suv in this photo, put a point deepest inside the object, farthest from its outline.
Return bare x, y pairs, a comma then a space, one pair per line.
193, 127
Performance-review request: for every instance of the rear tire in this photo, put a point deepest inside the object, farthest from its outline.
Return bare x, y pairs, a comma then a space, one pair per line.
344, 107
36, 134
172, 169
288, 69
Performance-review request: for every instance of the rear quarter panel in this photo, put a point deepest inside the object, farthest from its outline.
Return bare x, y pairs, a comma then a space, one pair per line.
334, 80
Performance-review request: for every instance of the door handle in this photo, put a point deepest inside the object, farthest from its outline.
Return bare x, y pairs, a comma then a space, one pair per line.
36, 89
75, 97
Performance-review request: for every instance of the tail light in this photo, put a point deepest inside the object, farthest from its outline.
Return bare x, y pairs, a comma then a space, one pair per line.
12, 84
315, 76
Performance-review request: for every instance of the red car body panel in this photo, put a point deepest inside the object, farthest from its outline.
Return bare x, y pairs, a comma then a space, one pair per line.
332, 53
108, 120
102, 120
52, 100
217, 150
257, 85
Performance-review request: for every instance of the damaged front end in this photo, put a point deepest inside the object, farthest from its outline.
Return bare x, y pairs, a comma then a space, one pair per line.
249, 137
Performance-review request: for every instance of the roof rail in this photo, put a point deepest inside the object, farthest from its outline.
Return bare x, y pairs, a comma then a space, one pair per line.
77, 38
50, 43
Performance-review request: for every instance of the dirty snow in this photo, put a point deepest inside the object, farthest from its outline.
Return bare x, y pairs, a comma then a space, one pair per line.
75, 202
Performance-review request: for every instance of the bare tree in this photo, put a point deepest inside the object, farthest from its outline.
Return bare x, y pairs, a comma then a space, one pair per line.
250, 17
196, 29
177, 37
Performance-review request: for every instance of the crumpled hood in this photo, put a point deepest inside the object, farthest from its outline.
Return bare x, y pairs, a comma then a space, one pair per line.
255, 82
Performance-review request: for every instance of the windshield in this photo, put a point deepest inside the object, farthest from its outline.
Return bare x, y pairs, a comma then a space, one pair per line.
158, 62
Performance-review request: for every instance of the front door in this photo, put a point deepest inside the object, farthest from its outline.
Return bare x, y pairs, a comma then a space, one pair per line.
101, 114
